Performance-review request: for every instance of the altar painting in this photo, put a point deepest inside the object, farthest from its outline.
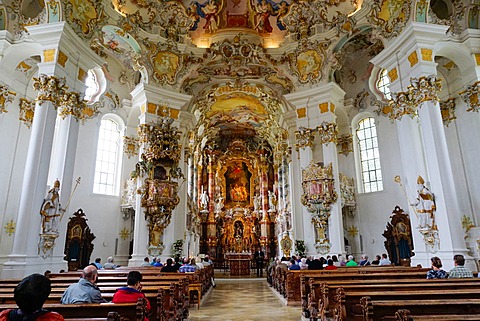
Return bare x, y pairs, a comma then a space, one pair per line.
237, 179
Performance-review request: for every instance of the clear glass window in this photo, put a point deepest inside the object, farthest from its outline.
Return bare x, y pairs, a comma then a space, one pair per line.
369, 155
108, 155
383, 84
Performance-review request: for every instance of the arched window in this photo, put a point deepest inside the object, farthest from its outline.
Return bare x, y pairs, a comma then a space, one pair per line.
369, 159
383, 84
107, 165
96, 84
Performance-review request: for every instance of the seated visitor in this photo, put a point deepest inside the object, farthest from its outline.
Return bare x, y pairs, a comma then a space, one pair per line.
459, 271
436, 272
98, 263
132, 292
377, 260
351, 261
157, 262
364, 261
85, 290
303, 264
316, 264
384, 260
169, 267
110, 265
330, 265
293, 265
30, 295
146, 262
188, 267
341, 260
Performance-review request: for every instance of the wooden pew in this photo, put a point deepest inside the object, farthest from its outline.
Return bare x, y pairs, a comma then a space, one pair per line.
128, 311
346, 303
374, 310
404, 315
322, 294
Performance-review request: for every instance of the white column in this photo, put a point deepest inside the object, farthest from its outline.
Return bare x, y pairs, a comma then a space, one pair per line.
24, 258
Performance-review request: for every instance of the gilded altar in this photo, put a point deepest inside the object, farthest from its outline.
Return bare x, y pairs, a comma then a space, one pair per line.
238, 231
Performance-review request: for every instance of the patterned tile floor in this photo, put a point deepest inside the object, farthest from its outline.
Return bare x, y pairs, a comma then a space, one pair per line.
248, 299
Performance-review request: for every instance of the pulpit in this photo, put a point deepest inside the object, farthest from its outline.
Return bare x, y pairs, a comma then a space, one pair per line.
239, 263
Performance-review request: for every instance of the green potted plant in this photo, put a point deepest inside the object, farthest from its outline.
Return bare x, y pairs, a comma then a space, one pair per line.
177, 248
300, 248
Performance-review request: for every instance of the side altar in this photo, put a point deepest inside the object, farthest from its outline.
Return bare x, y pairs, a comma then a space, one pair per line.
239, 263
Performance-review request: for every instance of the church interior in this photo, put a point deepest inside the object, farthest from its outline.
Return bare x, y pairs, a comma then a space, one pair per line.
134, 128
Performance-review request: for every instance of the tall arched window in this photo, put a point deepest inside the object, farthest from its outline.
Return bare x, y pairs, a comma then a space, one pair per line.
369, 155
107, 165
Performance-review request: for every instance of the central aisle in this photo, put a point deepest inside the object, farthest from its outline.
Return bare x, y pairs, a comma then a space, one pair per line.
245, 300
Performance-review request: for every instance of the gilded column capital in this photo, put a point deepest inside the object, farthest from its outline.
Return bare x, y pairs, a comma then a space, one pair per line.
304, 137
425, 88
70, 104
447, 108
470, 97
328, 132
420, 90
49, 88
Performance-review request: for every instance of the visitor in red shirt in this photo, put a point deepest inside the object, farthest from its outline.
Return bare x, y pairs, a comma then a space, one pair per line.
330, 265
132, 292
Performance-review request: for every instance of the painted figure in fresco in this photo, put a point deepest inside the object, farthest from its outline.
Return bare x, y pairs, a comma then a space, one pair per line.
424, 205
238, 193
210, 11
51, 210
264, 11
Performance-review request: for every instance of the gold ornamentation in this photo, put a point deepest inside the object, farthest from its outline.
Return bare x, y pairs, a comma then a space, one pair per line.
352, 231
308, 61
406, 103
426, 54
413, 58
124, 233
301, 112
27, 111
6, 97
390, 16
130, 146
62, 58
49, 55
318, 185
467, 223
23, 66
10, 227
71, 104
470, 97
159, 163
49, 88
46, 244
82, 74
286, 243
447, 109
393, 74
347, 192
328, 132
477, 59
84, 16
345, 144
304, 137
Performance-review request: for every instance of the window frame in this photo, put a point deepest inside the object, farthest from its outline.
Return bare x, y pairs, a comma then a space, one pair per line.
361, 186
120, 125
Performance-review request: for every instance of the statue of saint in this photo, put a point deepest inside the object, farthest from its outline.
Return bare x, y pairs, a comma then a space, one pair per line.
51, 210
219, 204
204, 200
424, 205
272, 200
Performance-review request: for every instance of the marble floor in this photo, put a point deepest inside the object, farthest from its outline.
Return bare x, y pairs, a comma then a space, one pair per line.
248, 299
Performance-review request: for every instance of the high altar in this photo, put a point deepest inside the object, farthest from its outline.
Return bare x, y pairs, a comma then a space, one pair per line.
237, 216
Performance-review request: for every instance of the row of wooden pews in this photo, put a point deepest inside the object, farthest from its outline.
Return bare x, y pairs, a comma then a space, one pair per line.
288, 283
391, 294
168, 293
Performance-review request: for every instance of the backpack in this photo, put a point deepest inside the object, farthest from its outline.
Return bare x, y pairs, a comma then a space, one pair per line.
16, 315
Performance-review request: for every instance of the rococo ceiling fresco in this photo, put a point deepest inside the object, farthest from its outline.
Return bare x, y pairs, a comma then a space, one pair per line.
237, 58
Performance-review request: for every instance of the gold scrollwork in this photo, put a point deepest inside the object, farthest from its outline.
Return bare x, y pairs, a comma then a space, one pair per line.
49, 88
130, 146
328, 132
27, 111
345, 144
470, 97
304, 137
447, 108
6, 97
